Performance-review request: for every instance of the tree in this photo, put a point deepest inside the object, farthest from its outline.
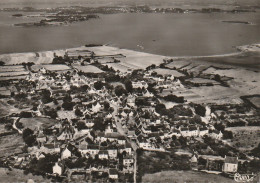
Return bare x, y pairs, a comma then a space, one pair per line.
25, 114
227, 135
81, 125
29, 137
106, 105
68, 106
159, 108
46, 96
119, 90
78, 112
98, 85
128, 86
2, 63
200, 110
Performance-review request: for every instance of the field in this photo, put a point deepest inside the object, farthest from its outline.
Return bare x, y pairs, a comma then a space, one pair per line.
168, 72
11, 144
88, 69
178, 64
16, 175
11, 68
51, 67
132, 59
245, 138
204, 94
12, 72
255, 101
202, 81
185, 177
44, 57
34, 123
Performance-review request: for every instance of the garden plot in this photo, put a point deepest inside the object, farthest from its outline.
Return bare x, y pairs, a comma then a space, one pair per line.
88, 69
245, 137
168, 72
255, 101
178, 64
35, 123
51, 67
15, 68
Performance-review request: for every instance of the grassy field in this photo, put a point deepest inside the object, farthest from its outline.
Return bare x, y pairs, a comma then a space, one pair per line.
203, 94
168, 72
16, 175
12, 68
88, 69
202, 81
255, 101
50, 67
11, 144
185, 177
34, 123
246, 137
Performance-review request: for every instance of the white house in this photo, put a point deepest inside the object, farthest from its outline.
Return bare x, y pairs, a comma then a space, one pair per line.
128, 161
112, 153
203, 131
96, 108
230, 164
65, 154
103, 154
57, 169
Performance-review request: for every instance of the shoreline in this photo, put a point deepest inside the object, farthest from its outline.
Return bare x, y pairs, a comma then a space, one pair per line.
240, 50
246, 57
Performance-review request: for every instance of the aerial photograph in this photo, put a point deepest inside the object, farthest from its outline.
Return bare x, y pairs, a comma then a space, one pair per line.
130, 91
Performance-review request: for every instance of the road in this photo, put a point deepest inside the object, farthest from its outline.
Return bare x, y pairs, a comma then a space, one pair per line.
120, 130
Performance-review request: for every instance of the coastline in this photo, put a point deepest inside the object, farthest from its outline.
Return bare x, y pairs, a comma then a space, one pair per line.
46, 57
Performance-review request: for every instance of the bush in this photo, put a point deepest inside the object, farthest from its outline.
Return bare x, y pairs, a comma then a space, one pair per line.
174, 98
119, 90
25, 114
227, 135
200, 110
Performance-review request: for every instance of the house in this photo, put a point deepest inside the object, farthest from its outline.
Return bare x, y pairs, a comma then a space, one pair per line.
66, 153
103, 154
216, 134
41, 138
113, 173
96, 108
147, 94
57, 169
185, 132
193, 131
121, 140
112, 152
203, 131
194, 162
230, 164
128, 161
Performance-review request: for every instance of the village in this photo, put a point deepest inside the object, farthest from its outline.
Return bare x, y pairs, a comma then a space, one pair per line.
88, 121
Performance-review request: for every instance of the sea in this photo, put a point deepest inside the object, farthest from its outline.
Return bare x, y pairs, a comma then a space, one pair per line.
191, 34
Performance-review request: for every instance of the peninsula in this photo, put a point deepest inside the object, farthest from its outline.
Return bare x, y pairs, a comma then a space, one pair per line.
101, 113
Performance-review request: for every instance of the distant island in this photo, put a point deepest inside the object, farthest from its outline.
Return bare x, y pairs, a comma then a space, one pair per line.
66, 15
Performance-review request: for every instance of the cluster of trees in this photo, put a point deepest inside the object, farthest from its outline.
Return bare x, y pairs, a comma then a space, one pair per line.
200, 110
238, 123
141, 101
67, 103
29, 137
48, 111
46, 96
174, 98
119, 90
